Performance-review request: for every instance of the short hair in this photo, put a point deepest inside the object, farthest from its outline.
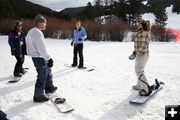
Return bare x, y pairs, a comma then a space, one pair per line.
78, 21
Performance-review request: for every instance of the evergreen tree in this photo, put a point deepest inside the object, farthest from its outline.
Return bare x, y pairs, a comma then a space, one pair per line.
120, 10
134, 11
89, 12
160, 13
176, 6
98, 8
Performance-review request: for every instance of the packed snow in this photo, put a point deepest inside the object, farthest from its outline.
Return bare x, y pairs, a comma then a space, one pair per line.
102, 94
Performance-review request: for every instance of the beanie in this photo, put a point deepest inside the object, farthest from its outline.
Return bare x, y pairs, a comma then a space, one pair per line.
39, 18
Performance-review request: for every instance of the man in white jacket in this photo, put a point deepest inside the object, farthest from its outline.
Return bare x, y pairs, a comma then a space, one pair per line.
41, 59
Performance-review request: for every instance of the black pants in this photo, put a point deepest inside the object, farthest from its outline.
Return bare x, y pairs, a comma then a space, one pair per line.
3, 115
78, 49
18, 66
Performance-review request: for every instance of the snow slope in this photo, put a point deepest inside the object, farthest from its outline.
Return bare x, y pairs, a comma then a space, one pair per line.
102, 94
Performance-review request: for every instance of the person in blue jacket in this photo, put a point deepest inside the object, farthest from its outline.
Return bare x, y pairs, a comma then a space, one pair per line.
78, 37
17, 44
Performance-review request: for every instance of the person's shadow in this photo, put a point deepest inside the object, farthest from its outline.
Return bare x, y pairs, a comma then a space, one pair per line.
6, 78
7, 90
124, 110
14, 111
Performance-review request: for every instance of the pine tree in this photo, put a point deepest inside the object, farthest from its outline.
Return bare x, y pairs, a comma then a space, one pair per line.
176, 6
160, 13
120, 10
89, 12
98, 8
134, 11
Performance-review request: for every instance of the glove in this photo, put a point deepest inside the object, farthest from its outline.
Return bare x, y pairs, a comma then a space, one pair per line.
133, 56
80, 39
50, 63
71, 43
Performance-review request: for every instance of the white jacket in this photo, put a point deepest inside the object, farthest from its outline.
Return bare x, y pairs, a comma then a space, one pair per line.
35, 44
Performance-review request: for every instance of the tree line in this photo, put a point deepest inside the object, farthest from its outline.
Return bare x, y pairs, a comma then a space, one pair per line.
103, 19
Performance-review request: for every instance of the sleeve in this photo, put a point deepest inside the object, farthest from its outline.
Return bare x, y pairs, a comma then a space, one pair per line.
11, 41
84, 34
41, 47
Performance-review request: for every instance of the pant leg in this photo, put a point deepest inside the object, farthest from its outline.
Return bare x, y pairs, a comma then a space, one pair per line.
49, 81
75, 52
3, 115
81, 58
21, 66
18, 65
42, 71
140, 63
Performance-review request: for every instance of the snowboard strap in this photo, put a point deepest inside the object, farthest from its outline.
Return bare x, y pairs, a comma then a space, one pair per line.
143, 81
152, 87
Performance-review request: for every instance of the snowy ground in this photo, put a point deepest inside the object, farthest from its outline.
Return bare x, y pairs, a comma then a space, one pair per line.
102, 94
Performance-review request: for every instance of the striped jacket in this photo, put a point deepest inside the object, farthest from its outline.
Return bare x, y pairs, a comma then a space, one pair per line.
141, 42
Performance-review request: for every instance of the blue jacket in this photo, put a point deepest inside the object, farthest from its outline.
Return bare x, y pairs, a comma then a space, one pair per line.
79, 35
17, 43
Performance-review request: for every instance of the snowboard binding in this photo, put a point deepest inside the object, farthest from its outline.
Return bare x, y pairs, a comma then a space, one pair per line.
150, 88
60, 100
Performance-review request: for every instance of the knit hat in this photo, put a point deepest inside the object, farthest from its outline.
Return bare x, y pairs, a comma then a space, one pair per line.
39, 18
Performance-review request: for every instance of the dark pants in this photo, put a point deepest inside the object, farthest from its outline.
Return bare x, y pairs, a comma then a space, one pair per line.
44, 77
18, 66
3, 115
78, 49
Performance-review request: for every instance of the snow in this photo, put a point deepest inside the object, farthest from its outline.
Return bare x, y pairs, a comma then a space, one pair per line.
102, 94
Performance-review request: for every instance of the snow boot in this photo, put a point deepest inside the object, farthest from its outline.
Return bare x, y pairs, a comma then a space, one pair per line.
73, 65
136, 87
81, 67
41, 99
51, 90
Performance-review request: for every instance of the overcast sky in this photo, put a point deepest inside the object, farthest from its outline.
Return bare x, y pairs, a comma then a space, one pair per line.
61, 4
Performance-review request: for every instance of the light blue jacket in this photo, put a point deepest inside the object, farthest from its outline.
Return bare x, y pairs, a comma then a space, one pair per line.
79, 34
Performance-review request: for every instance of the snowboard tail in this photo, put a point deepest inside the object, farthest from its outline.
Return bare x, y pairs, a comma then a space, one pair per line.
17, 79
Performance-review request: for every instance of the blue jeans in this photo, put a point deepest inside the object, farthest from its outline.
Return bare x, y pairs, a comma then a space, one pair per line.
44, 77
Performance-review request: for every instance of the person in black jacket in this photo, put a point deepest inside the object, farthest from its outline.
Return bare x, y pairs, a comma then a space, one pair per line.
17, 44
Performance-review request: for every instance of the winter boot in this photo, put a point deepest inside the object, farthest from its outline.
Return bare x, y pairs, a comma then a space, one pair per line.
51, 90
40, 99
73, 65
136, 87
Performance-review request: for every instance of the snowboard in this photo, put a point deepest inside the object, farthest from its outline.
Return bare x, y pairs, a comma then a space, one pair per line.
61, 103
17, 79
85, 68
142, 99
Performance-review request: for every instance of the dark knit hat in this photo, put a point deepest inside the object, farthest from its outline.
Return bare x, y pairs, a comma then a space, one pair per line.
39, 18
